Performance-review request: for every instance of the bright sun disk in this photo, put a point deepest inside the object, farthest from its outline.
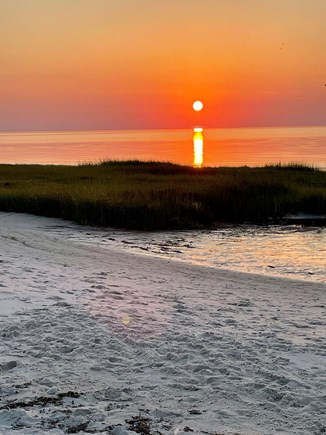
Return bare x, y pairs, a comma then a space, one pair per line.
197, 106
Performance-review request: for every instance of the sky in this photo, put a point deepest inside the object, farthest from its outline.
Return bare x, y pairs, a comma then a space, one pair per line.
139, 64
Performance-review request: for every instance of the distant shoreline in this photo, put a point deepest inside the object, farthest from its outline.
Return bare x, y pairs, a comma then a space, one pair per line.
156, 196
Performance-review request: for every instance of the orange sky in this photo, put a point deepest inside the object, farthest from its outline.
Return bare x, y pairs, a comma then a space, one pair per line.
129, 64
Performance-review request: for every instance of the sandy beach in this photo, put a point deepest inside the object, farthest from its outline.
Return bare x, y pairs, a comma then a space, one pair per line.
100, 340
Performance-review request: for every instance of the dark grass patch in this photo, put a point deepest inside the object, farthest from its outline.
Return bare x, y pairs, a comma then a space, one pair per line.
157, 196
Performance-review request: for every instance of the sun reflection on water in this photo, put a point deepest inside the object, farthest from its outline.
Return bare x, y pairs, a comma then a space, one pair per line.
198, 139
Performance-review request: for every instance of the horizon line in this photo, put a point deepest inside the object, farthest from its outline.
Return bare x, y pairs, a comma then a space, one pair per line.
4, 132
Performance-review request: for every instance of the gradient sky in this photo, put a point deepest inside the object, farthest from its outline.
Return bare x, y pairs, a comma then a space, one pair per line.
135, 64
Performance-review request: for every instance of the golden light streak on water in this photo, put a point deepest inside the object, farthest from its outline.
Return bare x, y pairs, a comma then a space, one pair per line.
198, 139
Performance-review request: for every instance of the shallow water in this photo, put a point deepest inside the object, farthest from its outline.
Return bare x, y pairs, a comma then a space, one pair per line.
289, 251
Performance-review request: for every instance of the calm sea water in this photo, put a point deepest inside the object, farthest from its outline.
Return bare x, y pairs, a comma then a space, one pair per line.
221, 147
290, 251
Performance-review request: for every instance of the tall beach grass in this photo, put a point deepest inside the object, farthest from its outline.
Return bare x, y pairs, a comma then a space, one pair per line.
154, 195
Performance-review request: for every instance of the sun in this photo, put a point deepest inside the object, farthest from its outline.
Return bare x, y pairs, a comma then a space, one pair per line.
197, 106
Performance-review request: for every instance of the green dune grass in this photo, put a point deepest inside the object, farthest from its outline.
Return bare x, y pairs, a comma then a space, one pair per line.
154, 195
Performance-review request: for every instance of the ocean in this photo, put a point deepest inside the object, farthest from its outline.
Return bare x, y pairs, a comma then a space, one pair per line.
217, 147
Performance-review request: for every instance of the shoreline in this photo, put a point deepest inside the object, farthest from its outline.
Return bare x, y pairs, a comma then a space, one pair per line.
188, 247
122, 251
107, 335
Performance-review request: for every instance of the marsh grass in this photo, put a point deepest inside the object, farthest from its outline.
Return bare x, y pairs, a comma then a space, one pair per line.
153, 195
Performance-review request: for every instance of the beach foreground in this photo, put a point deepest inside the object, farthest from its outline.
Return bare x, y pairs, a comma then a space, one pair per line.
98, 340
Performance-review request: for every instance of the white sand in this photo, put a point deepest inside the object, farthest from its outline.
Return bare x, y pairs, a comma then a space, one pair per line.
187, 347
